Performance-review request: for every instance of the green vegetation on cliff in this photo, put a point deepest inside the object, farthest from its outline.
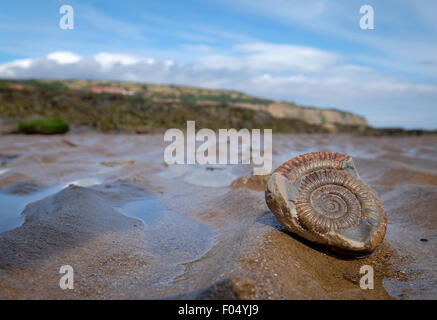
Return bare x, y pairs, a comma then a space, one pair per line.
43, 126
142, 108
184, 95
109, 112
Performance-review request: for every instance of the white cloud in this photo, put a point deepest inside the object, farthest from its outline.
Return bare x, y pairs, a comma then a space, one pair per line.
107, 60
261, 56
280, 57
403, 40
64, 57
7, 69
335, 87
169, 63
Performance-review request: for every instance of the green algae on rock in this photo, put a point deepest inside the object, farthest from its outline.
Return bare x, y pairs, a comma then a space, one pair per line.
43, 126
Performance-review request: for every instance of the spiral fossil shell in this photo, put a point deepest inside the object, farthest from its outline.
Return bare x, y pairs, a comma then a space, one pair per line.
321, 197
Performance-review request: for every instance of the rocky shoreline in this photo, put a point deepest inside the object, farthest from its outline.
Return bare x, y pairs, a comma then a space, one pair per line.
148, 112
139, 229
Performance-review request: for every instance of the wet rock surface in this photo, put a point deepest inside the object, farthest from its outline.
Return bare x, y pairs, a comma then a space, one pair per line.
146, 230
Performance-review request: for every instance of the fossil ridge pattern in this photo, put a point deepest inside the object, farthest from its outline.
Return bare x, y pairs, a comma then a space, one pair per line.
321, 197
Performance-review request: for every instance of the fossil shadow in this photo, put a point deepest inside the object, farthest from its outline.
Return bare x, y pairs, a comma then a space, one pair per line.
267, 218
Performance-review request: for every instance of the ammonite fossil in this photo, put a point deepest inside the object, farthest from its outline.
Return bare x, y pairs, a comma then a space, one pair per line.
320, 197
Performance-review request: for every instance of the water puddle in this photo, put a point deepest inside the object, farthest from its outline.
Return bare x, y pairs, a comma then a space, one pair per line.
214, 176
211, 177
13, 203
171, 237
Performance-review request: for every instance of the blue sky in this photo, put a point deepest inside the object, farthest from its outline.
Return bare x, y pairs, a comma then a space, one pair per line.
312, 52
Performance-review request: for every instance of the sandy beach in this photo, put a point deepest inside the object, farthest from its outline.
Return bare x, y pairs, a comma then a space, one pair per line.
133, 227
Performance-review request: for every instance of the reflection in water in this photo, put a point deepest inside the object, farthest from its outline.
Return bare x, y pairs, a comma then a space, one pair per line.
12, 204
169, 236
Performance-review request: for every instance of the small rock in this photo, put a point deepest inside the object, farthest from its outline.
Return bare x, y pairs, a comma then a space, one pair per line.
118, 163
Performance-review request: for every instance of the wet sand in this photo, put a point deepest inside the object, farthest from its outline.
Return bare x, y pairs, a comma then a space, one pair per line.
133, 227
